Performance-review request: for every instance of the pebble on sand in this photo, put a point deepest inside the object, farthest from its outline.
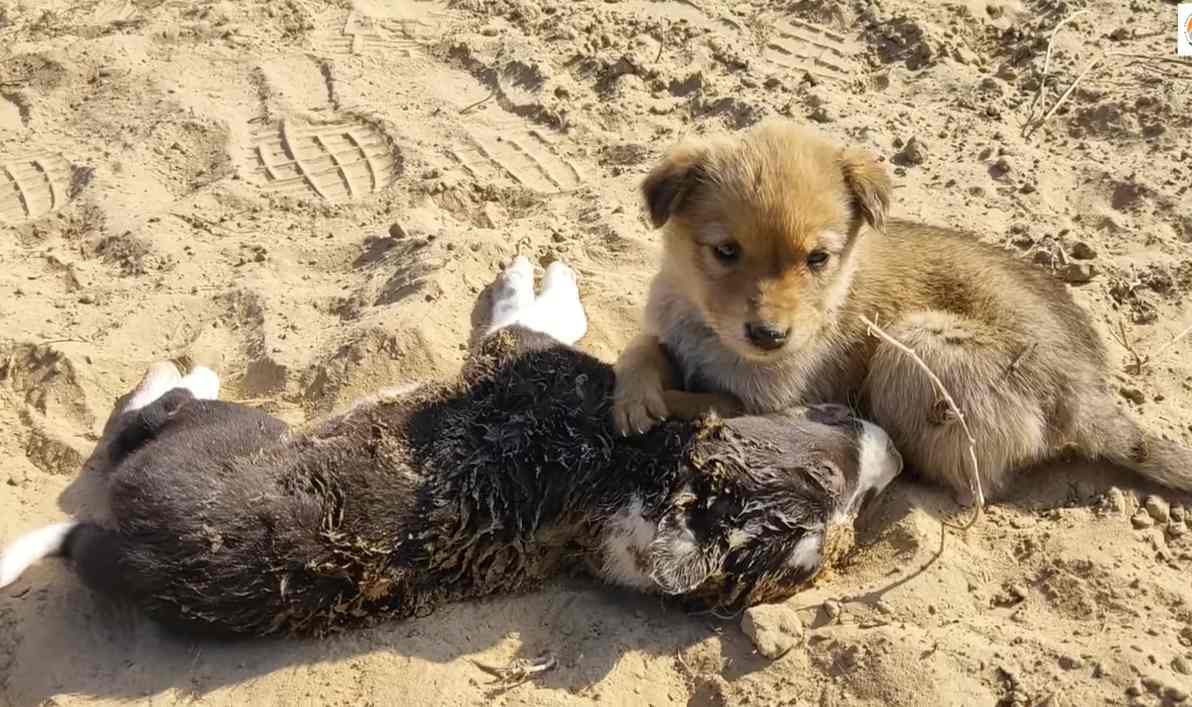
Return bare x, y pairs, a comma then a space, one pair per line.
773, 628
1157, 508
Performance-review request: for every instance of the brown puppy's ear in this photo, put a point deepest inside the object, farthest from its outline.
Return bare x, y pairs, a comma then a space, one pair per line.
868, 184
671, 181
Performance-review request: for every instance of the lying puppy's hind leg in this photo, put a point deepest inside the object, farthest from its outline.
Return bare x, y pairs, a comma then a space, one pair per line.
512, 294
202, 383
996, 387
557, 311
161, 378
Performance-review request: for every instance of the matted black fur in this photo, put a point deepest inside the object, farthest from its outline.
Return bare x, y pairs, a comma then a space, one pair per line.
226, 522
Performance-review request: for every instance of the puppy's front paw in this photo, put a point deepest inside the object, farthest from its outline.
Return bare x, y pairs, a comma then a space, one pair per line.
638, 403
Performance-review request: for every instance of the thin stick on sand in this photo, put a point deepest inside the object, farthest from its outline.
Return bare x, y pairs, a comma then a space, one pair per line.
1041, 96
975, 478
1092, 65
1166, 347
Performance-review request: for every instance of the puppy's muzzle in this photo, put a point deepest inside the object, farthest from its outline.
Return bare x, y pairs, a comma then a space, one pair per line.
766, 335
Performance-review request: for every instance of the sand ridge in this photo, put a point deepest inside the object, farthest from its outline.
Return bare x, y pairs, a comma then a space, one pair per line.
309, 195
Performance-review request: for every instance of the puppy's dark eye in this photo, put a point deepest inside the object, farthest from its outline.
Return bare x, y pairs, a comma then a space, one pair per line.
817, 259
727, 252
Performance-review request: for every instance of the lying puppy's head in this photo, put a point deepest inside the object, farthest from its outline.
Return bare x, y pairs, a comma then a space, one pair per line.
760, 227
762, 505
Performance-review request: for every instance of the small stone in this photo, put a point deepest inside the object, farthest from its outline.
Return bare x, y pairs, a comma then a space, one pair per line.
396, 230
1171, 693
1000, 168
1177, 530
912, 154
1134, 691
820, 115
1177, 514
1083, 251
1142, 520
1182, 665
833, 610
773, 628
1077, 273
1115, 500
1070, 662
1134, 395
1158, 508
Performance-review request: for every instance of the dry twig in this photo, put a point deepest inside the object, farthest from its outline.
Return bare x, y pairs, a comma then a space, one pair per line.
519, 670
1166, 347
1142, 360
1123, 338
1041, 96
476, 104
975, 478
1092, 65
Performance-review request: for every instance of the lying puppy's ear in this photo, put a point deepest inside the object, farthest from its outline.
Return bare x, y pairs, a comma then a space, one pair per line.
868, 184
671, 182
684, 552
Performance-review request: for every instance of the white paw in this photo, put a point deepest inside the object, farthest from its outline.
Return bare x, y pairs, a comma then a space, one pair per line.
557, 311
512, 293
161, 378
559, 281
202, 383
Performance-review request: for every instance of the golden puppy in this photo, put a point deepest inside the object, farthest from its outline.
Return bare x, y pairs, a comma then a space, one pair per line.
777, 242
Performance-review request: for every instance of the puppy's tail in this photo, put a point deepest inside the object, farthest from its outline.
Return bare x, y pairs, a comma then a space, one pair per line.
1124, 442
95, 551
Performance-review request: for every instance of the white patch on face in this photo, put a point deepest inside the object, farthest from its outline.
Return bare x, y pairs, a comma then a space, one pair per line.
627, 536
806, 555
879, 464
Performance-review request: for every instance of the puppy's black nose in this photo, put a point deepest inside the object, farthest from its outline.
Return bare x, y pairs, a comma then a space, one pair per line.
765, 335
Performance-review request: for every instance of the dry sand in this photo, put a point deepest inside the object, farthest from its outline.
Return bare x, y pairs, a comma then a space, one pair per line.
309, 194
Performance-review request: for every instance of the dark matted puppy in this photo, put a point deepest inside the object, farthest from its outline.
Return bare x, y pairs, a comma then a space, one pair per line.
228, 523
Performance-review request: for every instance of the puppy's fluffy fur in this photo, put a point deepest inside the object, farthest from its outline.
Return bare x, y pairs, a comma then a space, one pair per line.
777, 242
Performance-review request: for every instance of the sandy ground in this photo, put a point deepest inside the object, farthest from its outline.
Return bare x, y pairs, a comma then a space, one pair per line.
309, 194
